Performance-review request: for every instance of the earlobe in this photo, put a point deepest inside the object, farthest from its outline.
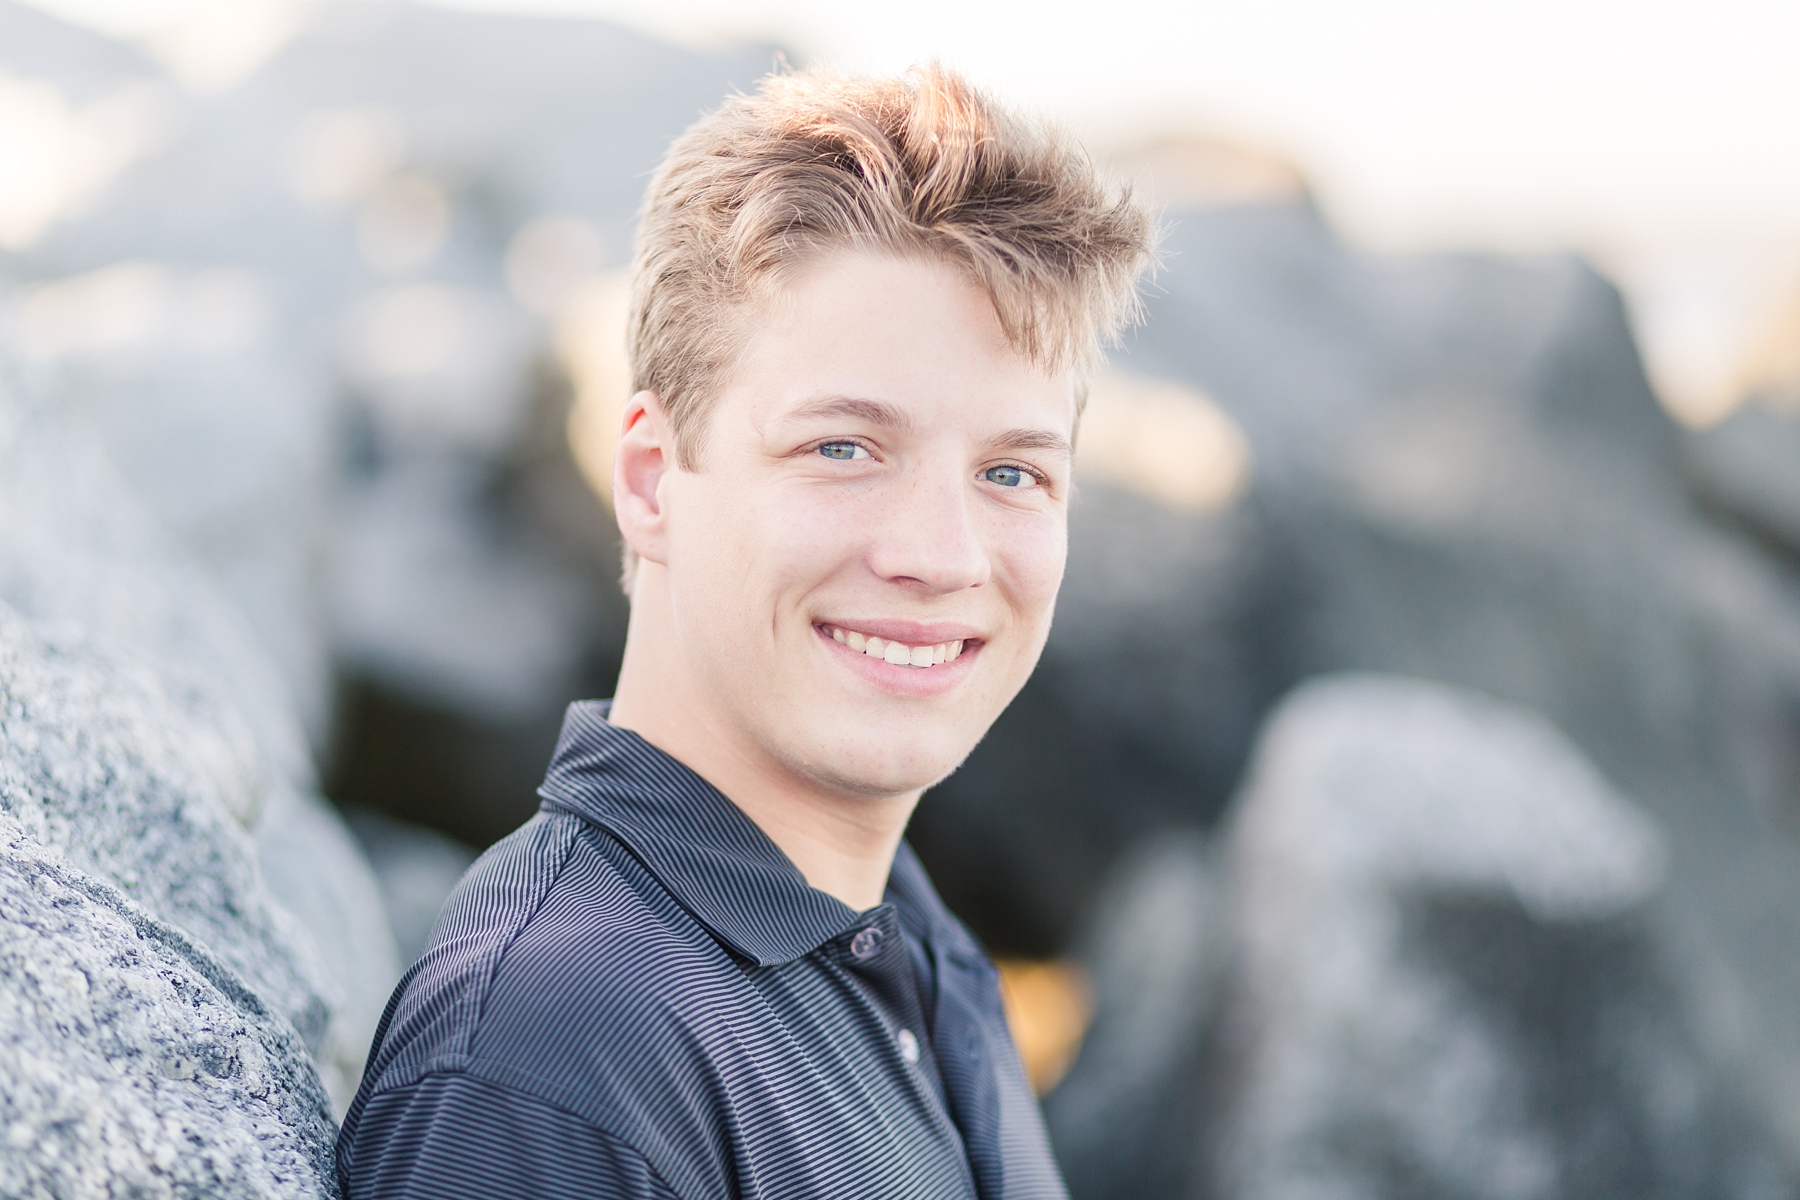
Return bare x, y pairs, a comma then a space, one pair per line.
644, 454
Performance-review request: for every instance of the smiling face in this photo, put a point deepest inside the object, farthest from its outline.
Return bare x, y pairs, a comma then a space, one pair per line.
859, 571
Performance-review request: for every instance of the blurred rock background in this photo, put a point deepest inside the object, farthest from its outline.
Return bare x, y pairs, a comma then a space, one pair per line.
1406, 803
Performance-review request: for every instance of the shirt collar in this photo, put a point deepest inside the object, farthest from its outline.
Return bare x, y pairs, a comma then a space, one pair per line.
700, 846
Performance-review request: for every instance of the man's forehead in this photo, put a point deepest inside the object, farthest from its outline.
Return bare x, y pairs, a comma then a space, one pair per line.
866, 295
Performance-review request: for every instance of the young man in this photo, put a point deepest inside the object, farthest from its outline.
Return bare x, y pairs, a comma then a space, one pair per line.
710, 967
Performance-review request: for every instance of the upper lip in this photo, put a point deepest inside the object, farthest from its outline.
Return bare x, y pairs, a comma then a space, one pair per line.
907, 633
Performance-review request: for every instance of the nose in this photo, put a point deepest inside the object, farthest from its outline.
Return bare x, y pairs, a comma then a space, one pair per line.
928, 538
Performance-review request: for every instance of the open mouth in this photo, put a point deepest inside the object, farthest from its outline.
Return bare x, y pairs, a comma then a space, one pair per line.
898, 654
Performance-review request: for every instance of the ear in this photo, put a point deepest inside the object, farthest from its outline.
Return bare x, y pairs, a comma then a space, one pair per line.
646, 453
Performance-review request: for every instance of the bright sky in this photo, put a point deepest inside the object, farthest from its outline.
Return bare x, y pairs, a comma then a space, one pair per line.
1663, 137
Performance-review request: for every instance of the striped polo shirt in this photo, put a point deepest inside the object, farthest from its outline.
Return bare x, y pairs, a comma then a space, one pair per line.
637, 995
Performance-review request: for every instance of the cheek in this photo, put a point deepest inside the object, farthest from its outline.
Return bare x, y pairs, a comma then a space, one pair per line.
763, 535
1029, 554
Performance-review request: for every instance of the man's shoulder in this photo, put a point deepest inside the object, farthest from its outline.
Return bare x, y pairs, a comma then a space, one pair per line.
562, 987
556, 954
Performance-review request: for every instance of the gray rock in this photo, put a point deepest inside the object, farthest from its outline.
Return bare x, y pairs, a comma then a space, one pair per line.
1123, 1118
1668, 651
1748, 467
1421, 961
78, 546
137, 779
1306, 342
1442, 981
134, 1061
137, 667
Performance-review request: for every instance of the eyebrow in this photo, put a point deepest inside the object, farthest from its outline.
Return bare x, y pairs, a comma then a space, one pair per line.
1034, 439
877, 412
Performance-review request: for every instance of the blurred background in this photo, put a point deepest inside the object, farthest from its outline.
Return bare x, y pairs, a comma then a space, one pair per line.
1407, 802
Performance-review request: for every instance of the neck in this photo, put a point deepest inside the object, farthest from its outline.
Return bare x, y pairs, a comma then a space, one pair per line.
843, 844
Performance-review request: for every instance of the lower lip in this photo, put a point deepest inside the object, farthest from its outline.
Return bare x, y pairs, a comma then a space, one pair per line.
919, 682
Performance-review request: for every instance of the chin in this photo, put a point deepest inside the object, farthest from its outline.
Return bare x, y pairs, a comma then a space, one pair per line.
908, 766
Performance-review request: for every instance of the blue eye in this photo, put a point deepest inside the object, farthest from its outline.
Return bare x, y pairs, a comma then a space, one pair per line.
1007, 477
842, 450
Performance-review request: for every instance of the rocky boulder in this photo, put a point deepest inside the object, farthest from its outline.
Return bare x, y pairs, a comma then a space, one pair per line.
1747, 467
1435, 971
158, 749
143, 781
158, 1011
135, 1061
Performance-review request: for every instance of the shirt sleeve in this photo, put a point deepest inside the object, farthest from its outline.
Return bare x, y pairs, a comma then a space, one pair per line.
453, 1135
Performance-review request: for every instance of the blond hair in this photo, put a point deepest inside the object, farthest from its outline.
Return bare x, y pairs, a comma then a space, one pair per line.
918, 166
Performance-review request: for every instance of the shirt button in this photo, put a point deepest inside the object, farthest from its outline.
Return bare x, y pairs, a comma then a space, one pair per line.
866, 942
909, 1046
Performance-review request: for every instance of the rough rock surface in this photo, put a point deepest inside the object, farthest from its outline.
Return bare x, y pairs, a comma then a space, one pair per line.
1436, 977
162, 1009
135, 1062
137, 782
164, 754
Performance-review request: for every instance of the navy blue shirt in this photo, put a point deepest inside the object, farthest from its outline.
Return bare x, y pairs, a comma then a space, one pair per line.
637, 995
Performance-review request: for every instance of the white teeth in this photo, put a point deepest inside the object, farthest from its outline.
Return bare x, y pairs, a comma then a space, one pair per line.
897, 653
